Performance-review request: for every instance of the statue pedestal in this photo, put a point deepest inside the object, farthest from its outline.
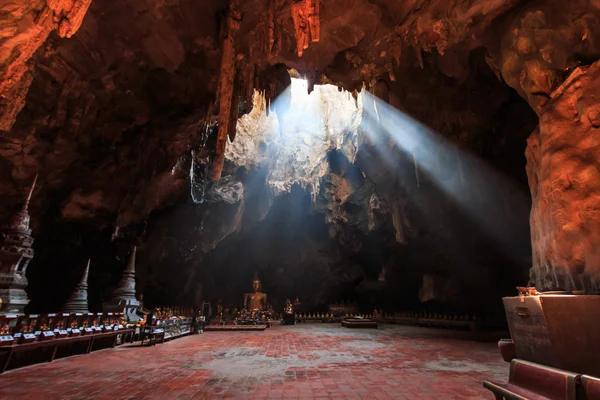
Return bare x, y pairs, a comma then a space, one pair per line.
14, 301
359, 323
120, 306
561, 331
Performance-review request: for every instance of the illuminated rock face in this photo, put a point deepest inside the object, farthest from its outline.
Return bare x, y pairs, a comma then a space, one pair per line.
294, 150
562, 165
25, 26
539, 46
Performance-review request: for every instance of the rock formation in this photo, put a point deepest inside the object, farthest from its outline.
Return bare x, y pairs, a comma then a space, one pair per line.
562, 160
538, 55
134, 116
306, 23
227, 110
26, 27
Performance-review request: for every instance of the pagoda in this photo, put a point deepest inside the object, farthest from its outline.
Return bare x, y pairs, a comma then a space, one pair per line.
15, 254
78, 302
124, 295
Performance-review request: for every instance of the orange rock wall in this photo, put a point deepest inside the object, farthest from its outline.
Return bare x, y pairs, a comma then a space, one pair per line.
306, 23
563, 157
226, 88
26, 25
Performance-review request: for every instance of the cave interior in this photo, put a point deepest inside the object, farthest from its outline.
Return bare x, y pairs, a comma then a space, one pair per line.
400, 155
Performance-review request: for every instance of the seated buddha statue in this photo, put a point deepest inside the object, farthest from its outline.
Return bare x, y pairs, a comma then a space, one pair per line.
288, 308
257, 300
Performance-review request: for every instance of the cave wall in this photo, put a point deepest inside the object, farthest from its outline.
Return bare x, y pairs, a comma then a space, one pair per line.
563, 174
114, 96
543, 51
25, 27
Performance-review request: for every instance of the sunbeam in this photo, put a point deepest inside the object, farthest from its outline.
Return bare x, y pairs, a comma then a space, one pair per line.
294, 140
482, 192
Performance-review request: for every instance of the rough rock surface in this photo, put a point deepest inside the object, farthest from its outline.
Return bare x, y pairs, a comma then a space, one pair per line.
293, 148
118, 104
562, 165
541, 44
24, 27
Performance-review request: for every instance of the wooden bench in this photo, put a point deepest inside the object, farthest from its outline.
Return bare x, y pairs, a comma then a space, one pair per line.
531, 381
54, 344
590, 388
507, 349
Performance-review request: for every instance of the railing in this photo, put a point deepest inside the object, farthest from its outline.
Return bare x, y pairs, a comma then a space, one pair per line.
58, 334
460, 321
171, 322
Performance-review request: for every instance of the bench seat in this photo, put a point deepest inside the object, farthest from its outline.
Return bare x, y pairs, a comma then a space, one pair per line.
531, 381
590, 387
509, 391
54, 344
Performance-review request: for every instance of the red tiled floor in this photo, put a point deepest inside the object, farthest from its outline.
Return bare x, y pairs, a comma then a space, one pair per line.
285, 362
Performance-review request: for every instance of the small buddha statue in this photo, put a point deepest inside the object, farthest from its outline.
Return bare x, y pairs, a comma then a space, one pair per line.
257, 300
288, 308
220, 310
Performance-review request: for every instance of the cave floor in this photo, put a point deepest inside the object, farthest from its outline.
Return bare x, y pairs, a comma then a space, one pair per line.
285, 362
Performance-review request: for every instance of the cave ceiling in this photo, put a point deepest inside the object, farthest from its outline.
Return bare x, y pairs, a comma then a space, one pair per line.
106, 99
117, 99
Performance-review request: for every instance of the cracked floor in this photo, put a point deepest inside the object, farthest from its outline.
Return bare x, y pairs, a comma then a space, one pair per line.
310, 361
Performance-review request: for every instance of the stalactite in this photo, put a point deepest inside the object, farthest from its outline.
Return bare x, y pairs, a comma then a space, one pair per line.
376, 112
416, 168
115, 233
307, 26
460, 167
272, 44
16, 74
234, 113
226, 86
419, 55
192, 174
397, 223
313, 20
249, 91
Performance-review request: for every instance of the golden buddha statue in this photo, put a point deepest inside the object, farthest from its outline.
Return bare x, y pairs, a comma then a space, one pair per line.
257, 300
288, 308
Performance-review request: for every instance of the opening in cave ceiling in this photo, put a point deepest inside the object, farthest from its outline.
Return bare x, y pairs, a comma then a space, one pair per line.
293, 145
293, 148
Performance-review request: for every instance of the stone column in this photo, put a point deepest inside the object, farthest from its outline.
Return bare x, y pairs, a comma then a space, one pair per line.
563, 166
537, 50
